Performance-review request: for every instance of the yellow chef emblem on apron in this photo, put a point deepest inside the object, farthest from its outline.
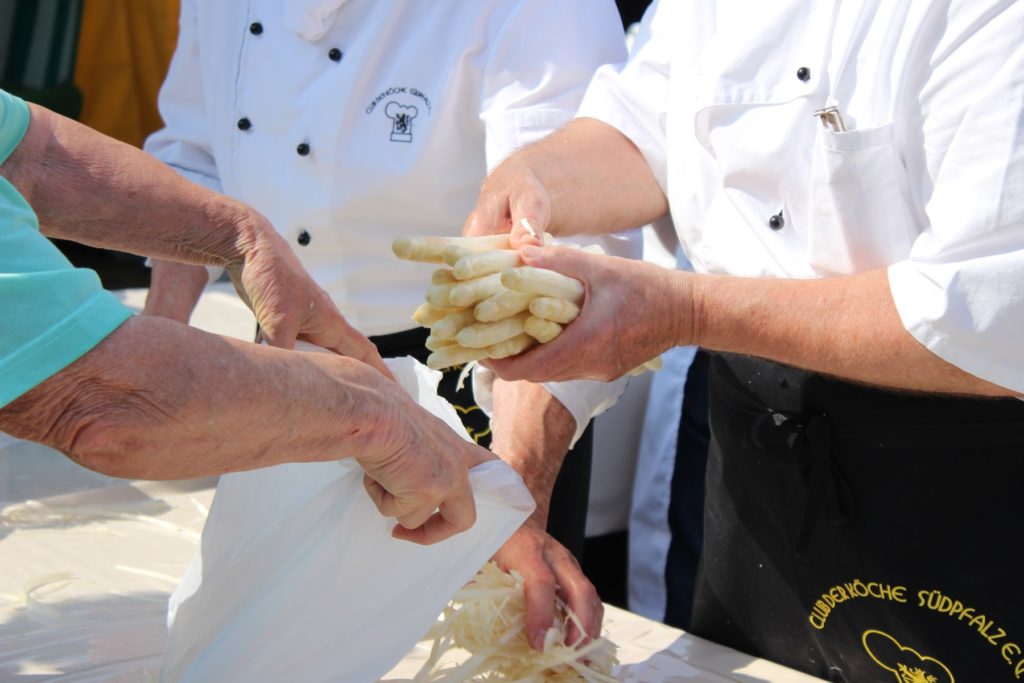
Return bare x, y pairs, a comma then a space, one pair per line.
475, 434
908, 665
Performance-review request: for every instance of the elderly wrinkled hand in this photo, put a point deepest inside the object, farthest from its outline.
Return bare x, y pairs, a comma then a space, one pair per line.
289, 305
417, 470
585, 178
632, 312
548, 569
513, 200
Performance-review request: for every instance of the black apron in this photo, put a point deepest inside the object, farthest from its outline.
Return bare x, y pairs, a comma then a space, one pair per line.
567, 517
859, 534
686, 497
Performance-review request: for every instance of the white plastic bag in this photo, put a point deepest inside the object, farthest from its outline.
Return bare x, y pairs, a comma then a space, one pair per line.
297, 577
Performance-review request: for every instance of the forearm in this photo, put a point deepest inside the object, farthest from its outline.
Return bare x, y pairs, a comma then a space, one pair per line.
174, 289
531, 431
847, 327
159, 400
92, 189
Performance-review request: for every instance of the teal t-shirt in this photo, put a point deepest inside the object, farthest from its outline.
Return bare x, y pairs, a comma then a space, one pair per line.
51, 313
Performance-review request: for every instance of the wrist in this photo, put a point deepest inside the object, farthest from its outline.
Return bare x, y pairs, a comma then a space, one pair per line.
233, 232
685, 318
531, 432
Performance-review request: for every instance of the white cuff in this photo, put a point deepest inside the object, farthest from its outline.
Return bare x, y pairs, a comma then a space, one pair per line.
952, 311
584, 399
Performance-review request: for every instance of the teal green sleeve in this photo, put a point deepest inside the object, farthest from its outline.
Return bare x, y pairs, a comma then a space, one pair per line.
13, 123
51, 313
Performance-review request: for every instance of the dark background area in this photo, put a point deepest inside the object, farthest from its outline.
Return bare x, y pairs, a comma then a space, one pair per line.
116, 270
631, 10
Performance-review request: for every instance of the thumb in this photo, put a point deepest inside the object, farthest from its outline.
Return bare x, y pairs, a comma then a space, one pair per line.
281, 334
501, 208
490, 216
574, 263
275, 328
530, 215
347, 341
327, 328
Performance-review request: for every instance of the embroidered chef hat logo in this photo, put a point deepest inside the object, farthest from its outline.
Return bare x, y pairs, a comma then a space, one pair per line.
401, 121
907, 664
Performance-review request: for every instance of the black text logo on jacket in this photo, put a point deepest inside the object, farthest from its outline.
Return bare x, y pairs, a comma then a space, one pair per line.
401, 121
403, 105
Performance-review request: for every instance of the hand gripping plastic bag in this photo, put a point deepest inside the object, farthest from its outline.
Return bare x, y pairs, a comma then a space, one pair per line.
297, 577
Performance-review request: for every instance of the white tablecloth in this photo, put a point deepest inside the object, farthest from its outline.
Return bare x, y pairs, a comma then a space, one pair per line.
87, 563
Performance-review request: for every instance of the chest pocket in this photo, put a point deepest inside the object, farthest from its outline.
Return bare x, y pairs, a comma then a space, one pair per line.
859, 203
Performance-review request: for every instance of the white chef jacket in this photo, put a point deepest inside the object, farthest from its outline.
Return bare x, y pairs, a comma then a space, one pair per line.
349, 123
928, 180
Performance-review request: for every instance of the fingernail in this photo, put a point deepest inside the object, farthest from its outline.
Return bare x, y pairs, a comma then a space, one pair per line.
531, 250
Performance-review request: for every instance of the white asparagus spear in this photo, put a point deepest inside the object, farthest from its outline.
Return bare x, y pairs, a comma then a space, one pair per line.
482, 335
433, 343
448, 326
652, 365
452, 355
472, 265
471, 292
430, 249
439, 295
442, 276
541, 330
555, 310
502, 305
589, 249
511, 347
453, 252
426, 315
543, 283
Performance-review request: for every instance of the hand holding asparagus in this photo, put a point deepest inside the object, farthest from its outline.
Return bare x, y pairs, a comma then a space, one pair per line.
484, 303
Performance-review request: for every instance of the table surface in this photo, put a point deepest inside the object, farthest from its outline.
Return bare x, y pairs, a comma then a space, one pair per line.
87, 563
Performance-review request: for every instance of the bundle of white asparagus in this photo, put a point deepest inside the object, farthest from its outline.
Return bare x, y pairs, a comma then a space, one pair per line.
484, 303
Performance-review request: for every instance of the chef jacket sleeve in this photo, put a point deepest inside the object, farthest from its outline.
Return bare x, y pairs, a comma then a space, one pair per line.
960, 293
185, 141
634, 97
538, 67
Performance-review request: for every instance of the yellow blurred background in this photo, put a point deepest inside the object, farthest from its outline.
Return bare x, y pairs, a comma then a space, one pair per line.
124, 47
101, 62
